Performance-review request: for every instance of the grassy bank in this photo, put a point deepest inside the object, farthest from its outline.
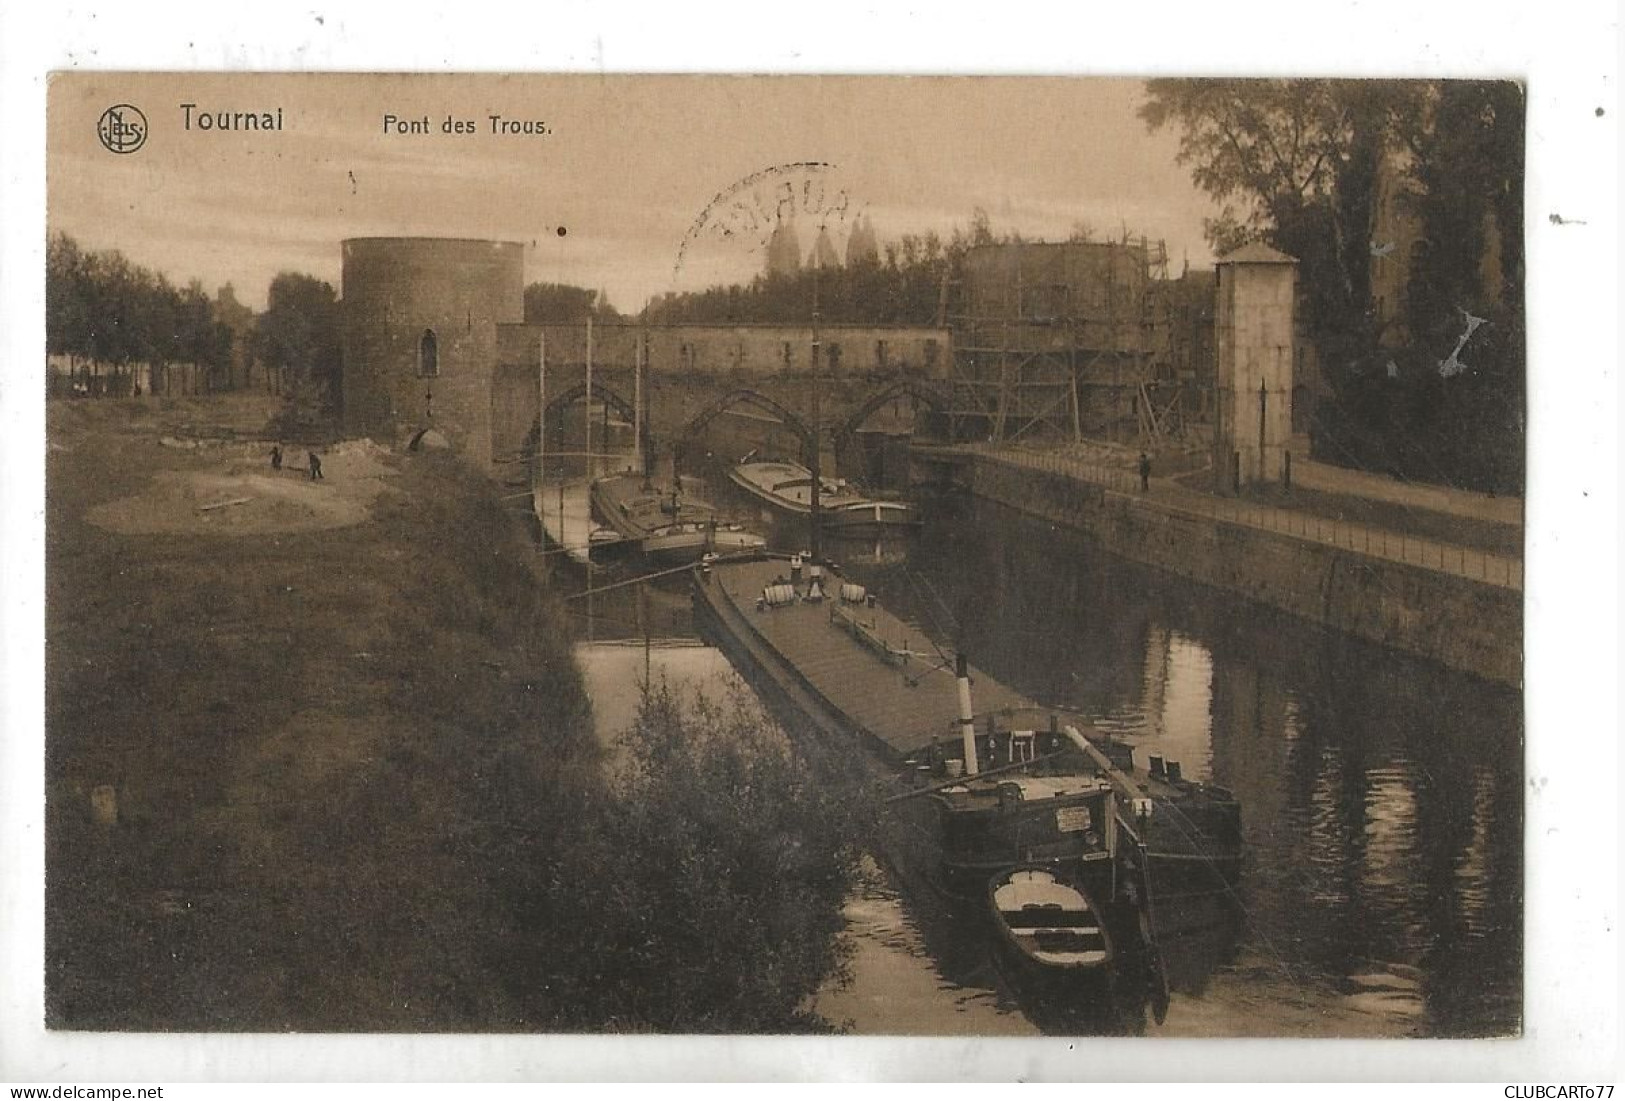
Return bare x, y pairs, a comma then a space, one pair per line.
300, 774
318, 758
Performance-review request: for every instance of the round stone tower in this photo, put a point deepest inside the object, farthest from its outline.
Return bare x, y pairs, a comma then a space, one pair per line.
420, 335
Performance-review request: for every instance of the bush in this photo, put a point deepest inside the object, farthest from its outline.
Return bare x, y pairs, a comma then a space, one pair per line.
307, 414
707, 897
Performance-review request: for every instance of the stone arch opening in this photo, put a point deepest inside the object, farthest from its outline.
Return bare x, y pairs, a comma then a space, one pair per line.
427, 439
567, 439
600, 393
761, 403
883, 464
919, 394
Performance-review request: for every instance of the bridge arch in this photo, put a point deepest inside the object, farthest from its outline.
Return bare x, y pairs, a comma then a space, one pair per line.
920, 392
561, 401
757, 401
600, 392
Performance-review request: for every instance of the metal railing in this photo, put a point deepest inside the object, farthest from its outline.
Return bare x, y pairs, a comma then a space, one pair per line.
1494, 569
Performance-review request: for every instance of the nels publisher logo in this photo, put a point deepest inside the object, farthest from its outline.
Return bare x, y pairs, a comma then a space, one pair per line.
122, 128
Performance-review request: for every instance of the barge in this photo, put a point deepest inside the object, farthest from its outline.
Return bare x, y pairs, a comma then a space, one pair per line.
971, 796
666, 527
786, 487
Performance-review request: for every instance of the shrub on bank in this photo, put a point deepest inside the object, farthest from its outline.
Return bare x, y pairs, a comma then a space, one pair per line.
707, 895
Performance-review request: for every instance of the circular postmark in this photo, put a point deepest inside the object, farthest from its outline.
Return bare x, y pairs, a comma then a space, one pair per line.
122, 128
747, 214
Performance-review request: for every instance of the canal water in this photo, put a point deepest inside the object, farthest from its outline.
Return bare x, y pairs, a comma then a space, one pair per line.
1382, 796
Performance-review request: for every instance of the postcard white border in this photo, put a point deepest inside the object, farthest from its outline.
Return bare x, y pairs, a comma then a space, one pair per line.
1568, 53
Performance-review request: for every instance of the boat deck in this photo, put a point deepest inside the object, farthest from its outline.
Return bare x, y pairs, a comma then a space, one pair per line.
884, 677
635, 511
789, 486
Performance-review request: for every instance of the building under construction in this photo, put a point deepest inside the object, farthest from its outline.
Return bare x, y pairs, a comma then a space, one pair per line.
1078, 339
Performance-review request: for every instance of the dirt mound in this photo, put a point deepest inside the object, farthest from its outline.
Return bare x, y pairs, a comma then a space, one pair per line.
242, 495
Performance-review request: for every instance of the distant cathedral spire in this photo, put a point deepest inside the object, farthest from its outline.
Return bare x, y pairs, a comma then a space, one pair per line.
861, 245
784, 249
823, 252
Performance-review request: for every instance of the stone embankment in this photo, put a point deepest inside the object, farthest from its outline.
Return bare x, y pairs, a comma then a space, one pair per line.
1460, 607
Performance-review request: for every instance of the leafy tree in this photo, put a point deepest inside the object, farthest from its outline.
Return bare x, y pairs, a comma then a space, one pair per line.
1468, 165
200, 337
561, 302
299, 330
239, 321
299, 334
101, 307
1295, 163
68, 297
900, 283
707, 894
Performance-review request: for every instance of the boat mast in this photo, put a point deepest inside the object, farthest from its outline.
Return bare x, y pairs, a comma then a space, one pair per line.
815, 463
637, 406
589, 398
541, 408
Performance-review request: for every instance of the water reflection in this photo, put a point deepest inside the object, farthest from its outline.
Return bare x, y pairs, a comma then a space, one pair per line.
1381, 795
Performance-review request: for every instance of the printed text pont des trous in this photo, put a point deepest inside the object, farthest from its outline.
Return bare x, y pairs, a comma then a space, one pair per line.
403, 126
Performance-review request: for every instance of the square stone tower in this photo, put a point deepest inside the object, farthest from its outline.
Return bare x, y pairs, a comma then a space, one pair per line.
1252, 419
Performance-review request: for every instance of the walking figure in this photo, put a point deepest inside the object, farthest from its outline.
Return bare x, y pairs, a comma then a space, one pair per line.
276, 457
1145, 472
315, 466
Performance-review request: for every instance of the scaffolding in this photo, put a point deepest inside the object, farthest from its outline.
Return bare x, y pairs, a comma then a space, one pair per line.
1058, 340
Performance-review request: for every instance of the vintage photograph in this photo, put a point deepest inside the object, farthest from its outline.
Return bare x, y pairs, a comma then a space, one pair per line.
873, 555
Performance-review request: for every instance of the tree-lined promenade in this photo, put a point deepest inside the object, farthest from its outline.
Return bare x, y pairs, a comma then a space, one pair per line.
103, 310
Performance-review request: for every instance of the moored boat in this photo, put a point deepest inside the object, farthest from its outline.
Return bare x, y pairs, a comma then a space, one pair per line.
1186, 833
971, 797
1048, 926
787, 488
667, 527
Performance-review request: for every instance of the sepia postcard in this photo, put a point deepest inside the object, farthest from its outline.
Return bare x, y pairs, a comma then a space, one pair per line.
873, 556
1014, 564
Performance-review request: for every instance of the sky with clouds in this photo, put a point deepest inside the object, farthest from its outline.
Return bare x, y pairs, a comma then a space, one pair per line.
631, 168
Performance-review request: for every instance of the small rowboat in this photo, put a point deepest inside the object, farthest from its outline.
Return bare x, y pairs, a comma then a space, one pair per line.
1050, 926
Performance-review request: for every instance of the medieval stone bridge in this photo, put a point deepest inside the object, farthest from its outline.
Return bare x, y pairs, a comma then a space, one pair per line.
730, 414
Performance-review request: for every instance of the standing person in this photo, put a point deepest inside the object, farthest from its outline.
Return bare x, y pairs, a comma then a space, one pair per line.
315, 466
276, 456
1145, 472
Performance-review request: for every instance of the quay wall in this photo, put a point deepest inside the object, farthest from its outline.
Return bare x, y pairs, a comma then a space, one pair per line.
1464, 624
